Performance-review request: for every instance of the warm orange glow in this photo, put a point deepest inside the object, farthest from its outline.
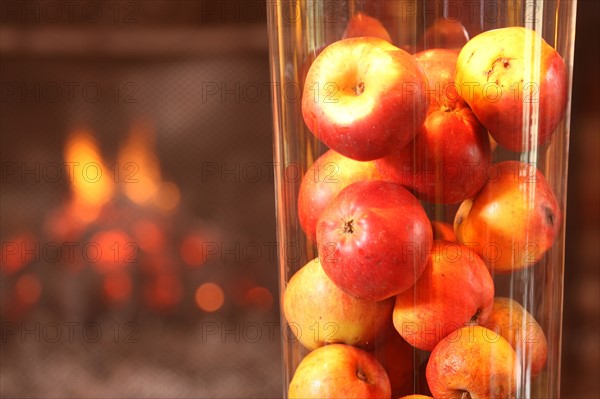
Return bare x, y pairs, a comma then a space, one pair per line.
62, 224
167, 197
164, 291
29, 289
192, 251
240, 288
117, 286
148, 236
209, 297
91, 180
139, 172
157, 263
14, 253
260, 298
110, 249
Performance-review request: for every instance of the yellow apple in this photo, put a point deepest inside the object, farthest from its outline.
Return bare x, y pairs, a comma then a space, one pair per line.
513, 221
515, 83
339, 371
320, 313
522, 331
474, 363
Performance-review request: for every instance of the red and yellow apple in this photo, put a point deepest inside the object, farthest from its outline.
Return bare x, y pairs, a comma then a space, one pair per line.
365, 98
339, 371
363, 25
509, 319
327, 176
439, 66
374, 239
455, 290
513, 221
447, 161
320, 313
515, 83
310, 58
474, 363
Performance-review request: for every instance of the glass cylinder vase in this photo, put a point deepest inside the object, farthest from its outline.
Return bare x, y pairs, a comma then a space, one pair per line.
421, 155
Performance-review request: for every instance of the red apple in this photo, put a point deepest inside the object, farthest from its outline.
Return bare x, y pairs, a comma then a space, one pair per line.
398, 359
516, 84
339, 371
513, 221
374, 239
320, 313
509, 319
445, 33
474, 363
327, 176
439, 66
365, 98
363, 25
447, 161
456, 289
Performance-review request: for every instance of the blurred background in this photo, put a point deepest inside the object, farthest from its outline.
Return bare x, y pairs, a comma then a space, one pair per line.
139, 256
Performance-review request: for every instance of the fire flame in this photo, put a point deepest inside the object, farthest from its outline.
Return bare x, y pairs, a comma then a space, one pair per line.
139, 171
91, 186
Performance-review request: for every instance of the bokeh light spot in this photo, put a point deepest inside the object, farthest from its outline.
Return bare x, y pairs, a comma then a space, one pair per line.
209, 297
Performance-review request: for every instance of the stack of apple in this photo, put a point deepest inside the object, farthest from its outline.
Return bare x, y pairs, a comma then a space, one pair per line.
402, 129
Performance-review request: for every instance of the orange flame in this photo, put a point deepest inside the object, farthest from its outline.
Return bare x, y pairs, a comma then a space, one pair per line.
91, 183
139, 171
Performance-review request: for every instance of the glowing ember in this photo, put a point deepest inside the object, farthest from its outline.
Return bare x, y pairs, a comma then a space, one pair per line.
192, 251
209, 297
239, 289
110, 249
148, 236
260, 298
164, 291
167, 197
17, 252
63, 224
117, 286
28, 289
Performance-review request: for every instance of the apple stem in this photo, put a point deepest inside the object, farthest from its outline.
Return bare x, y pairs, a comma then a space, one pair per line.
465, 395
359, 89
348, 228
